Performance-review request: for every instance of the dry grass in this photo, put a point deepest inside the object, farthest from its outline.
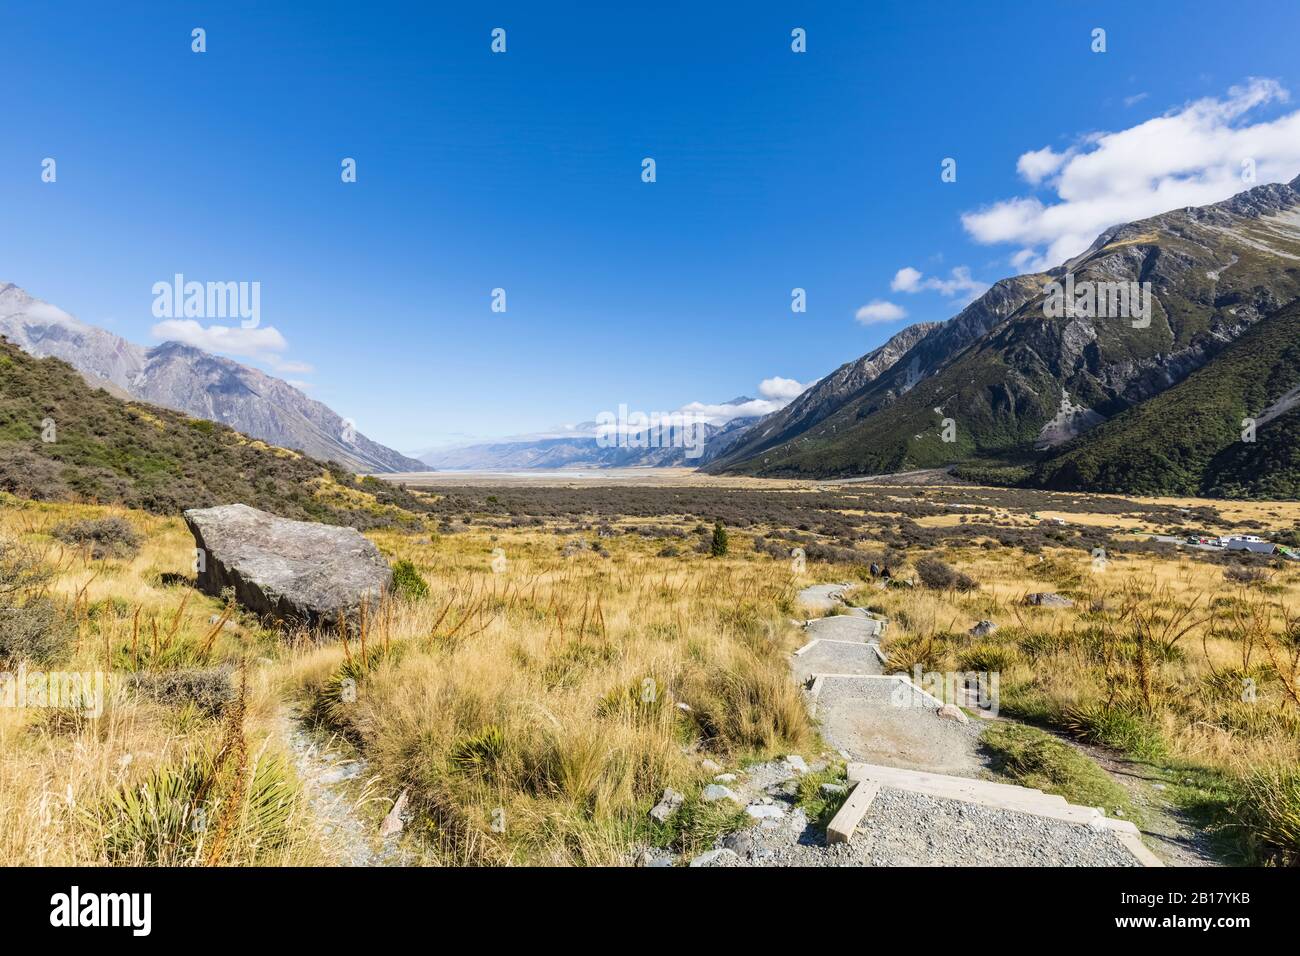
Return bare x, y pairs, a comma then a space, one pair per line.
534, 713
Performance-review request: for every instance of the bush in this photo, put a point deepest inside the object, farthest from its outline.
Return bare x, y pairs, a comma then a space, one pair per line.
407, 581
718, 547
207, 688
164, 819
32, 627
481, 754
1115, 725
992, 658
36, 631
938, 576
110, 537
1267, 809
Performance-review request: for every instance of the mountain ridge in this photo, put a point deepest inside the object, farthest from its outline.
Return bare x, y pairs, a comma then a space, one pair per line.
188, 379
1015, 383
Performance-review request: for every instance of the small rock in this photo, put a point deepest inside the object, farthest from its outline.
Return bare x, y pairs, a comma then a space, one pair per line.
393, 823
830, 789
797, 763
764, 811
722, 857
953, 712
982, 629
712, 766
684, 707
741, 842
725, 778
1047, 599
650, 857
715, 792
667, 805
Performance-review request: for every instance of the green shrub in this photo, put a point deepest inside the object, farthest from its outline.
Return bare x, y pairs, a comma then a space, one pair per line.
1115, 725
481, 754
992, 658
718, 547
407, 581
166, 819
1267, 811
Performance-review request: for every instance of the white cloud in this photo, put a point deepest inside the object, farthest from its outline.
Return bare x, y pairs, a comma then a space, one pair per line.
780, 388
262, 344
1190, 156
1135, 99
880, 311
906, 279
1036, 166
959, 283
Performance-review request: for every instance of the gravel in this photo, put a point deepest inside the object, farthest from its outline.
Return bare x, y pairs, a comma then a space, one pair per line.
889, 722
909, 829
844, 627
833, 657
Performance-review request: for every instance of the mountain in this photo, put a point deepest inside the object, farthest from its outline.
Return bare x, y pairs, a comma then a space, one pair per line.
1188, 440
198, 383
63, 440
580, 449
821, 399
1017, 383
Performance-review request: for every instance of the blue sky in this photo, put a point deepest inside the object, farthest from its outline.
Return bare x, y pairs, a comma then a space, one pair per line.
522, 171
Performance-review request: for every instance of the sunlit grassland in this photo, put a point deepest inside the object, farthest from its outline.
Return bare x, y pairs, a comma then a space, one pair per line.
536, 700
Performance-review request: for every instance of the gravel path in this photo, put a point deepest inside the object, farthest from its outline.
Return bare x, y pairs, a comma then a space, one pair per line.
836, 657
844, 627
890, 722
335, 787
909, 829
823, 597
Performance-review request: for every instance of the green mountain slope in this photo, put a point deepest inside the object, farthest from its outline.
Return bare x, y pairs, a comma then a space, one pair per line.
1188, 439
107, 450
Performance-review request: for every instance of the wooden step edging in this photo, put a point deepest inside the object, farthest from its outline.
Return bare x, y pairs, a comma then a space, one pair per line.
1004, 797
818, 679
830, 640
851, 812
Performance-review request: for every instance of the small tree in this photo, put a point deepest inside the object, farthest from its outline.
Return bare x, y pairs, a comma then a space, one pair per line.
719, 547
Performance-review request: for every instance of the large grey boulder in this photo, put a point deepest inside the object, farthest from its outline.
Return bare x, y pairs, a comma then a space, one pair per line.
295, 571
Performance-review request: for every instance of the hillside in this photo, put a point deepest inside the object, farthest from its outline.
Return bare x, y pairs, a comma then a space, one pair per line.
1187, 440
107, 450
195, 382
1017, 383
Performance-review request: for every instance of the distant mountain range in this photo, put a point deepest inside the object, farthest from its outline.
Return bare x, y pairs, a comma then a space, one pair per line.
63, 440
1010, 391
579, 446
195, 382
